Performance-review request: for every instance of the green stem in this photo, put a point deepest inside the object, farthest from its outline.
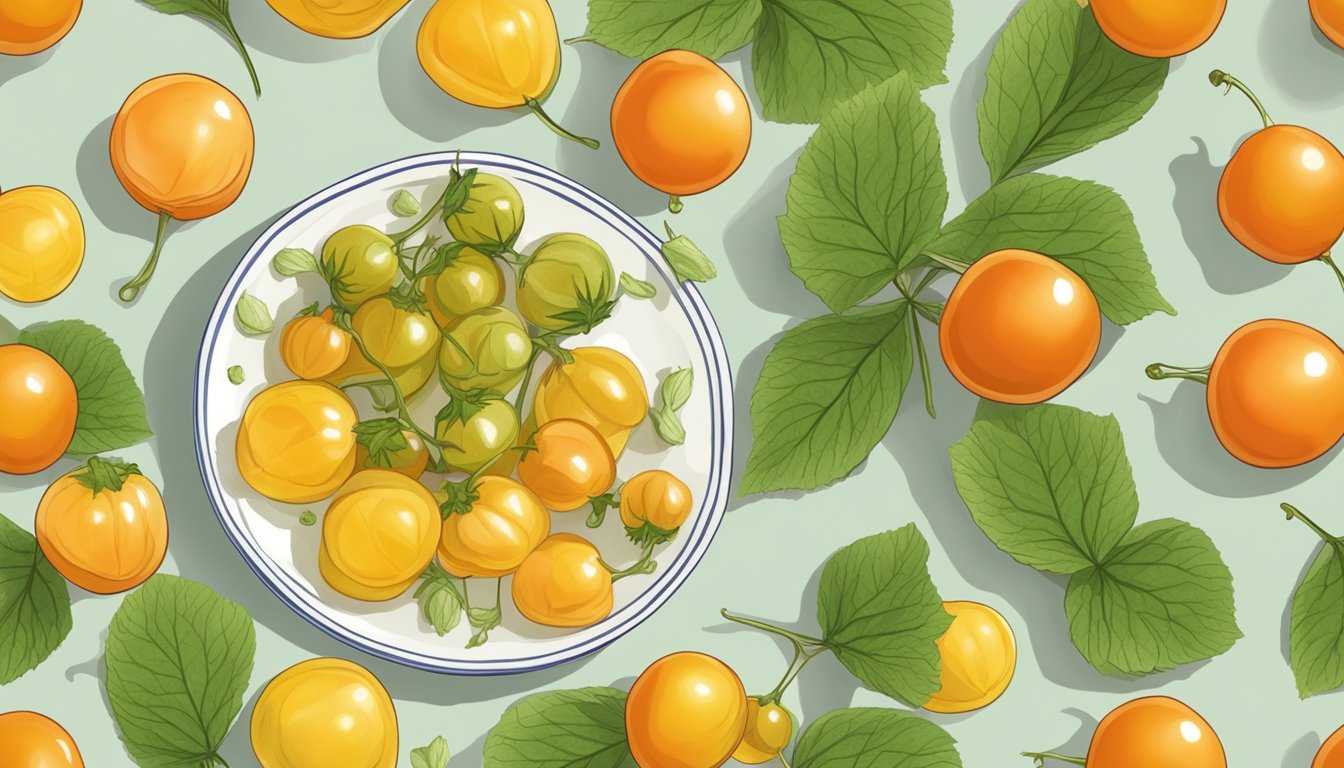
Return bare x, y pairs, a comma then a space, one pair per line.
1221, 79
928, 278
801, 656
403, 413
1160, 371
644, 565
800, 639
537, 110
674, 205
956, 265
1041, 757
1330, 261
130, 290
784, 761
924, 371
419, 224
247, 58
581, 39
526, 382
1294, 512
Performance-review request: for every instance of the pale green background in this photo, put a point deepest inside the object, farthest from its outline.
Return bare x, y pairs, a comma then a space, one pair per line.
334, 108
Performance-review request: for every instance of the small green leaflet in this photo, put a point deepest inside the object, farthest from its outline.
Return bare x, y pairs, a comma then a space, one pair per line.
1316, 627
881, 615
1085, 226
686, 259
810, 54
827, 394
295, 261
308, 518
673, 395
179, 658
252, 316
34, 603
440, 599
482, 620
868, 195
637, 288
111, 405
640, 28
583, 728
435, 755
217, 13
1057, 86
403, 203
381, 438
874, 738
236, 374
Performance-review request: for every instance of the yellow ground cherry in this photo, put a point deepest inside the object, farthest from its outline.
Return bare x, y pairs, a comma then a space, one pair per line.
41, 243
339, 19
103, 526
563, 583
658, 498
769, 728
312, 346
325, 712
1331, 753
1019, 327
31, 740
38, 408
296, 442
1153, 732
33, 26
378, 535
601, 387
979, 655
1159, 29
681, 124
500, 529
687, 710
571, 464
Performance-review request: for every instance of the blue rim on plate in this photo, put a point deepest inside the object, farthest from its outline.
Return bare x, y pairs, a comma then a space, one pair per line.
718, 377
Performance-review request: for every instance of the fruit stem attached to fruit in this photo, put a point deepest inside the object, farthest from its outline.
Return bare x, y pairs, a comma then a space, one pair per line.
674, 204
1221, 79
645, 565
1041, 757
803, 640
1294, 512
1330, 261
1160, 371
130, 290
537, 110
581, 39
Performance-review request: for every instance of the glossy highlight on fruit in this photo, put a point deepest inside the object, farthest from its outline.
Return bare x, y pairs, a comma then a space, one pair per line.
362, 263
979, 656
38, 409
504, 525
339, 19
103, 526
312, 346
563, 583
1329, 17
325, 712
769, 729
687, 710
33, 26
378, 535
1155, 732
32, 740
570, 465
1019, 327
41, 243
681, 124
1159, 29
403, 338
601, 387
295, 443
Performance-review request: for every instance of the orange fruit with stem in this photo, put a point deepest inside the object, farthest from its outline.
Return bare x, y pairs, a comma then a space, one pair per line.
1275, 393
1152, 732
33, 26
182, 146
31, 740
681, 124
1019, 327
1281, 194
1159, 29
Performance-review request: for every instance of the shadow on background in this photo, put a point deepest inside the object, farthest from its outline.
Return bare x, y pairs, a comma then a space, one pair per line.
265, 30
1300, 60
1302, 751
18, 66
972, 171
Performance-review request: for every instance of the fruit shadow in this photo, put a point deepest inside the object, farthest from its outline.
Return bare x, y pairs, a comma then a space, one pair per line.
1081, 739
1301, 752
1186, 442
602, 170
413, 99
1300, 61
1229, 268
14, 67
972, 170
96, 668
262, 29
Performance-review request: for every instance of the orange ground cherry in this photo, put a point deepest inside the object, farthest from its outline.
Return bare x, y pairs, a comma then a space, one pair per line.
339, 19
38, 408
654, 504
570, 464
769, 729
30, 740
1275, 393
1153, 732
1331, 753
979, 655
687, 710
312, 346
1159, 29
563, 583
1281, 193
1329, 16
500, 529
600, 387
103, 526
41, 243
681, 124
1019, 327
33, 26
182, 146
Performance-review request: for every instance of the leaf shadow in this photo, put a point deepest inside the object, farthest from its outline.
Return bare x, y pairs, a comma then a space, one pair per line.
744, 380
1300, 61
972, 170
263, 29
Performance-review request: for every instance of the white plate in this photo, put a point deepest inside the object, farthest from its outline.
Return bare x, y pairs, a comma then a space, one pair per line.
673, 330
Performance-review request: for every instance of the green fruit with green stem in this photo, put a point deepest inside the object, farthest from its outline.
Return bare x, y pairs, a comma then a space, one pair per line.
567, 285
488, 349
492, 217
481, 438
360, 262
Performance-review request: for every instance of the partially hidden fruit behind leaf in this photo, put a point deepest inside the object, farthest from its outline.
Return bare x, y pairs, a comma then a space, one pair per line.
979, 655
600, 387
103, 526
1019, 327
1153, 732
325, 712
378, 535
31, 740
41, 243
569, 465
687, 710
296, 442
38, 409
501, 528
33, 26
681, 124
563, 583
411, 461
339, 19
1159, 28
769, 729
312, 346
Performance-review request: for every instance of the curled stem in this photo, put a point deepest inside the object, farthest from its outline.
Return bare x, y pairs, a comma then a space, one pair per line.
1330, 262
1221, 79
1294, 512
1160, 371
130, 290
1041, 757
537, 110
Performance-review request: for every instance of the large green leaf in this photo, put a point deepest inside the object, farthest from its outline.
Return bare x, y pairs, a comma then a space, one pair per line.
875, 738
34, 603
582, 728
641, 28
1316, 629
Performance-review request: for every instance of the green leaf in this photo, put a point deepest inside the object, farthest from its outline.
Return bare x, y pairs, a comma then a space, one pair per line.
236, 374
435, 755
874, 738
583, 728
178, 659
882, 616
640, 289
1316, 629
1161, 599
1056, 85
673, 394
441, 602
381, 438
483, 620
1085, 226
308, 518
111, 406
295, 261
403, 203
1050, 485
34, 603
868, 194
640, 28
686, 259
215, 12
252, 316
810, 54
827, 394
